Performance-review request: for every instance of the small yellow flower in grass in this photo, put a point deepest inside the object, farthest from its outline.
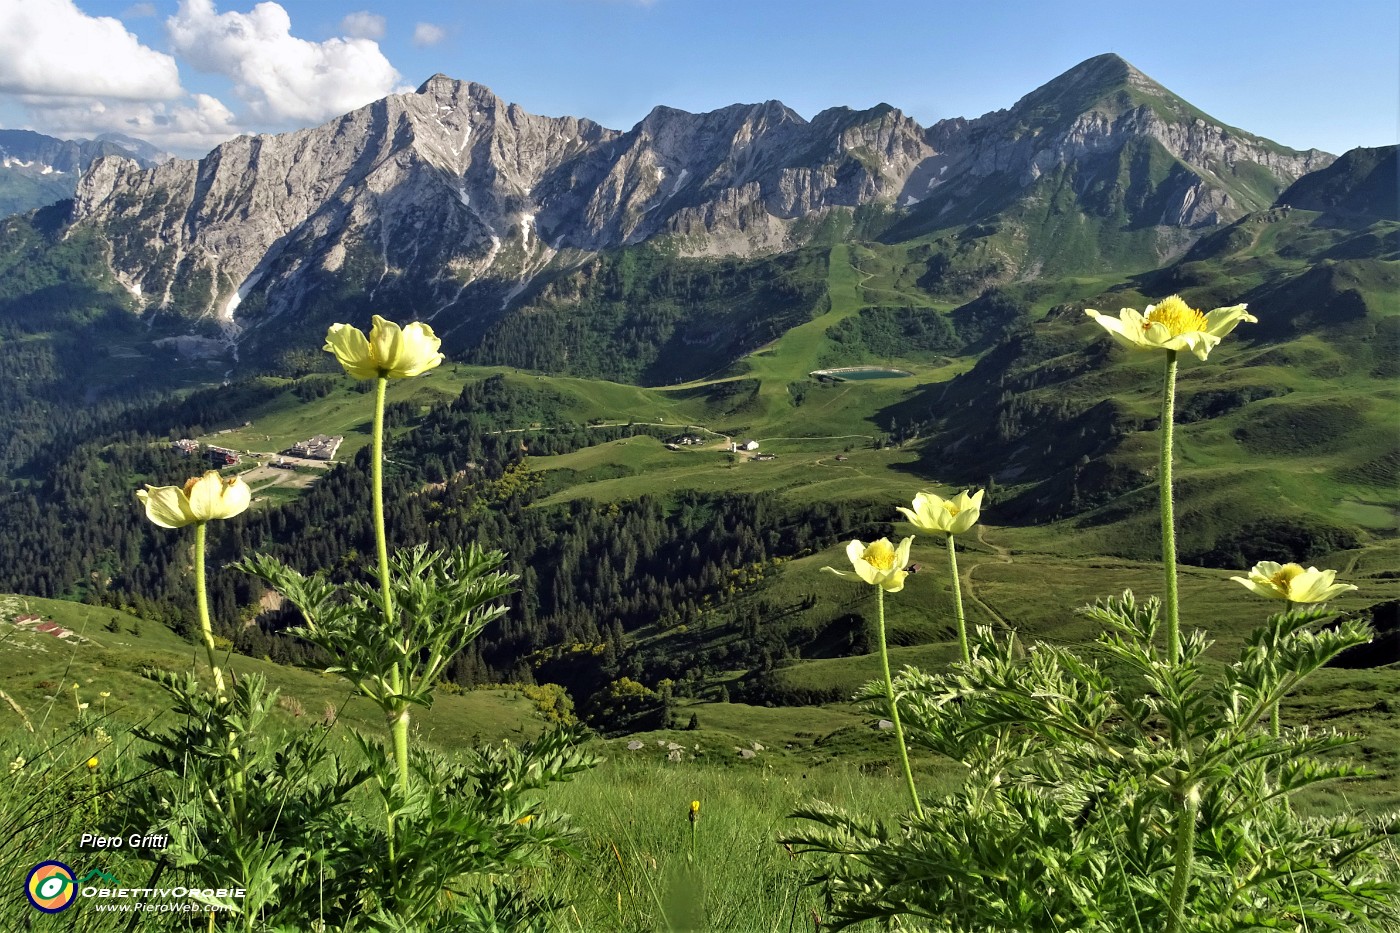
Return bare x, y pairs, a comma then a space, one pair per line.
694, 810
92, 763
202, 499
879, 563
526, 820
1172, 324
390, 351
952, 516
1293, 583
17, 765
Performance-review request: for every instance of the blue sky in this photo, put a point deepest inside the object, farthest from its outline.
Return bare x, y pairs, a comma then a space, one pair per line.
187, 74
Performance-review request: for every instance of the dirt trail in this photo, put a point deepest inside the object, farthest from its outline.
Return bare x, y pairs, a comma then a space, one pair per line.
1002, 555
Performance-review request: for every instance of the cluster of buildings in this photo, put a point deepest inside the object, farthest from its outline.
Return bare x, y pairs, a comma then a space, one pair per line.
217, 456
320, 447
40, 624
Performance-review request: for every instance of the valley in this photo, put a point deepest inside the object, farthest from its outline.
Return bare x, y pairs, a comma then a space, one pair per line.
652, 403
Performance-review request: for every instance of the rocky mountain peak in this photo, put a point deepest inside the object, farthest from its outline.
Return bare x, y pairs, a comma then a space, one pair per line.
456, 201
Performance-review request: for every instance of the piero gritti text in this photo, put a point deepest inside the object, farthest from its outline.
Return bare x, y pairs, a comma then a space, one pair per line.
155, 841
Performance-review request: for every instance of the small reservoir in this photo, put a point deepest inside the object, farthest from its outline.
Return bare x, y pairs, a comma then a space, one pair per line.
858, 373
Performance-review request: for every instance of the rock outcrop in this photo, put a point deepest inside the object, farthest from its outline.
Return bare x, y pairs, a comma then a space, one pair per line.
450, 198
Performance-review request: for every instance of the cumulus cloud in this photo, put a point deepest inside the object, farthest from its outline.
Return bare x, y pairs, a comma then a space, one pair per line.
190, 128
426, 34
51, 48
139, 10
363, 24
281, 78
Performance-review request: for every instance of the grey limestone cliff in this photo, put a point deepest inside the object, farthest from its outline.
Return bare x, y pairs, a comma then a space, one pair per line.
450, 198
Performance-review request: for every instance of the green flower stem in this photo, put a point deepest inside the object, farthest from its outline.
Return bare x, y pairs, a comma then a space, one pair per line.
894, 710
377, 481
1168, 518
201, 596
957, 600
400, 730
1184, 857
397, 711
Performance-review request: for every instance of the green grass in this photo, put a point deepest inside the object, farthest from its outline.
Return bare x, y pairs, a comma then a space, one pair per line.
39, 672
638, 871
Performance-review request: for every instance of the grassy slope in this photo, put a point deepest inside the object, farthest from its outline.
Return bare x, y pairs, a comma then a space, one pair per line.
39, 671
1053, 567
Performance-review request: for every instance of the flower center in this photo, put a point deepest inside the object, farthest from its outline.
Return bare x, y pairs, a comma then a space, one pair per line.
880, 555
952, 509
1176, 316
1283, 578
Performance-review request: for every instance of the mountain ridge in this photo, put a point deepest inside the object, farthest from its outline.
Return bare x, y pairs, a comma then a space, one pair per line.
451, 198
36, 169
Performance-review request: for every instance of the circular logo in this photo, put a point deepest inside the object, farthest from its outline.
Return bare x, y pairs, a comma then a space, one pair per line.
51, 887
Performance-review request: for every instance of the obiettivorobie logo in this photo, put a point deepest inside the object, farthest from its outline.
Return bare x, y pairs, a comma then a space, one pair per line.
52, 886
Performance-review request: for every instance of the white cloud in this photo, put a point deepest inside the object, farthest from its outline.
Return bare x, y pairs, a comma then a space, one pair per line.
139, 11
426, 34
282, 78
51, 48
363, 24
187, 128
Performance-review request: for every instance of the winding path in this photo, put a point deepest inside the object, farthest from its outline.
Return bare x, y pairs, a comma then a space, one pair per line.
1003, 556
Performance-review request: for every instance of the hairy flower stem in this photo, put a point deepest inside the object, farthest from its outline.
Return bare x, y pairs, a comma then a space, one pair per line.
1184, 857
377, 481
398, 715
957, 601
1164, 473
894, 710
201, 596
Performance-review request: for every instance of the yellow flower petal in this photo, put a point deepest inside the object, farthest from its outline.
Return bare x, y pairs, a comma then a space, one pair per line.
1172, 324
211, 496
934, 514
167, 506
351, 348
1293, 583
202, 499
879, 563
390, 351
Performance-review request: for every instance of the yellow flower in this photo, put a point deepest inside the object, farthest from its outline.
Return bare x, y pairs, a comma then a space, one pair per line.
879, 563
203, 498
526, 820
1293, 583
92, 763
694, 811
951, 516
1172, 324
390, 351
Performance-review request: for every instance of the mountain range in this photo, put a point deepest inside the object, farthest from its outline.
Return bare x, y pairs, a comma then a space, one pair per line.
745, 252
450, 205
36, 170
